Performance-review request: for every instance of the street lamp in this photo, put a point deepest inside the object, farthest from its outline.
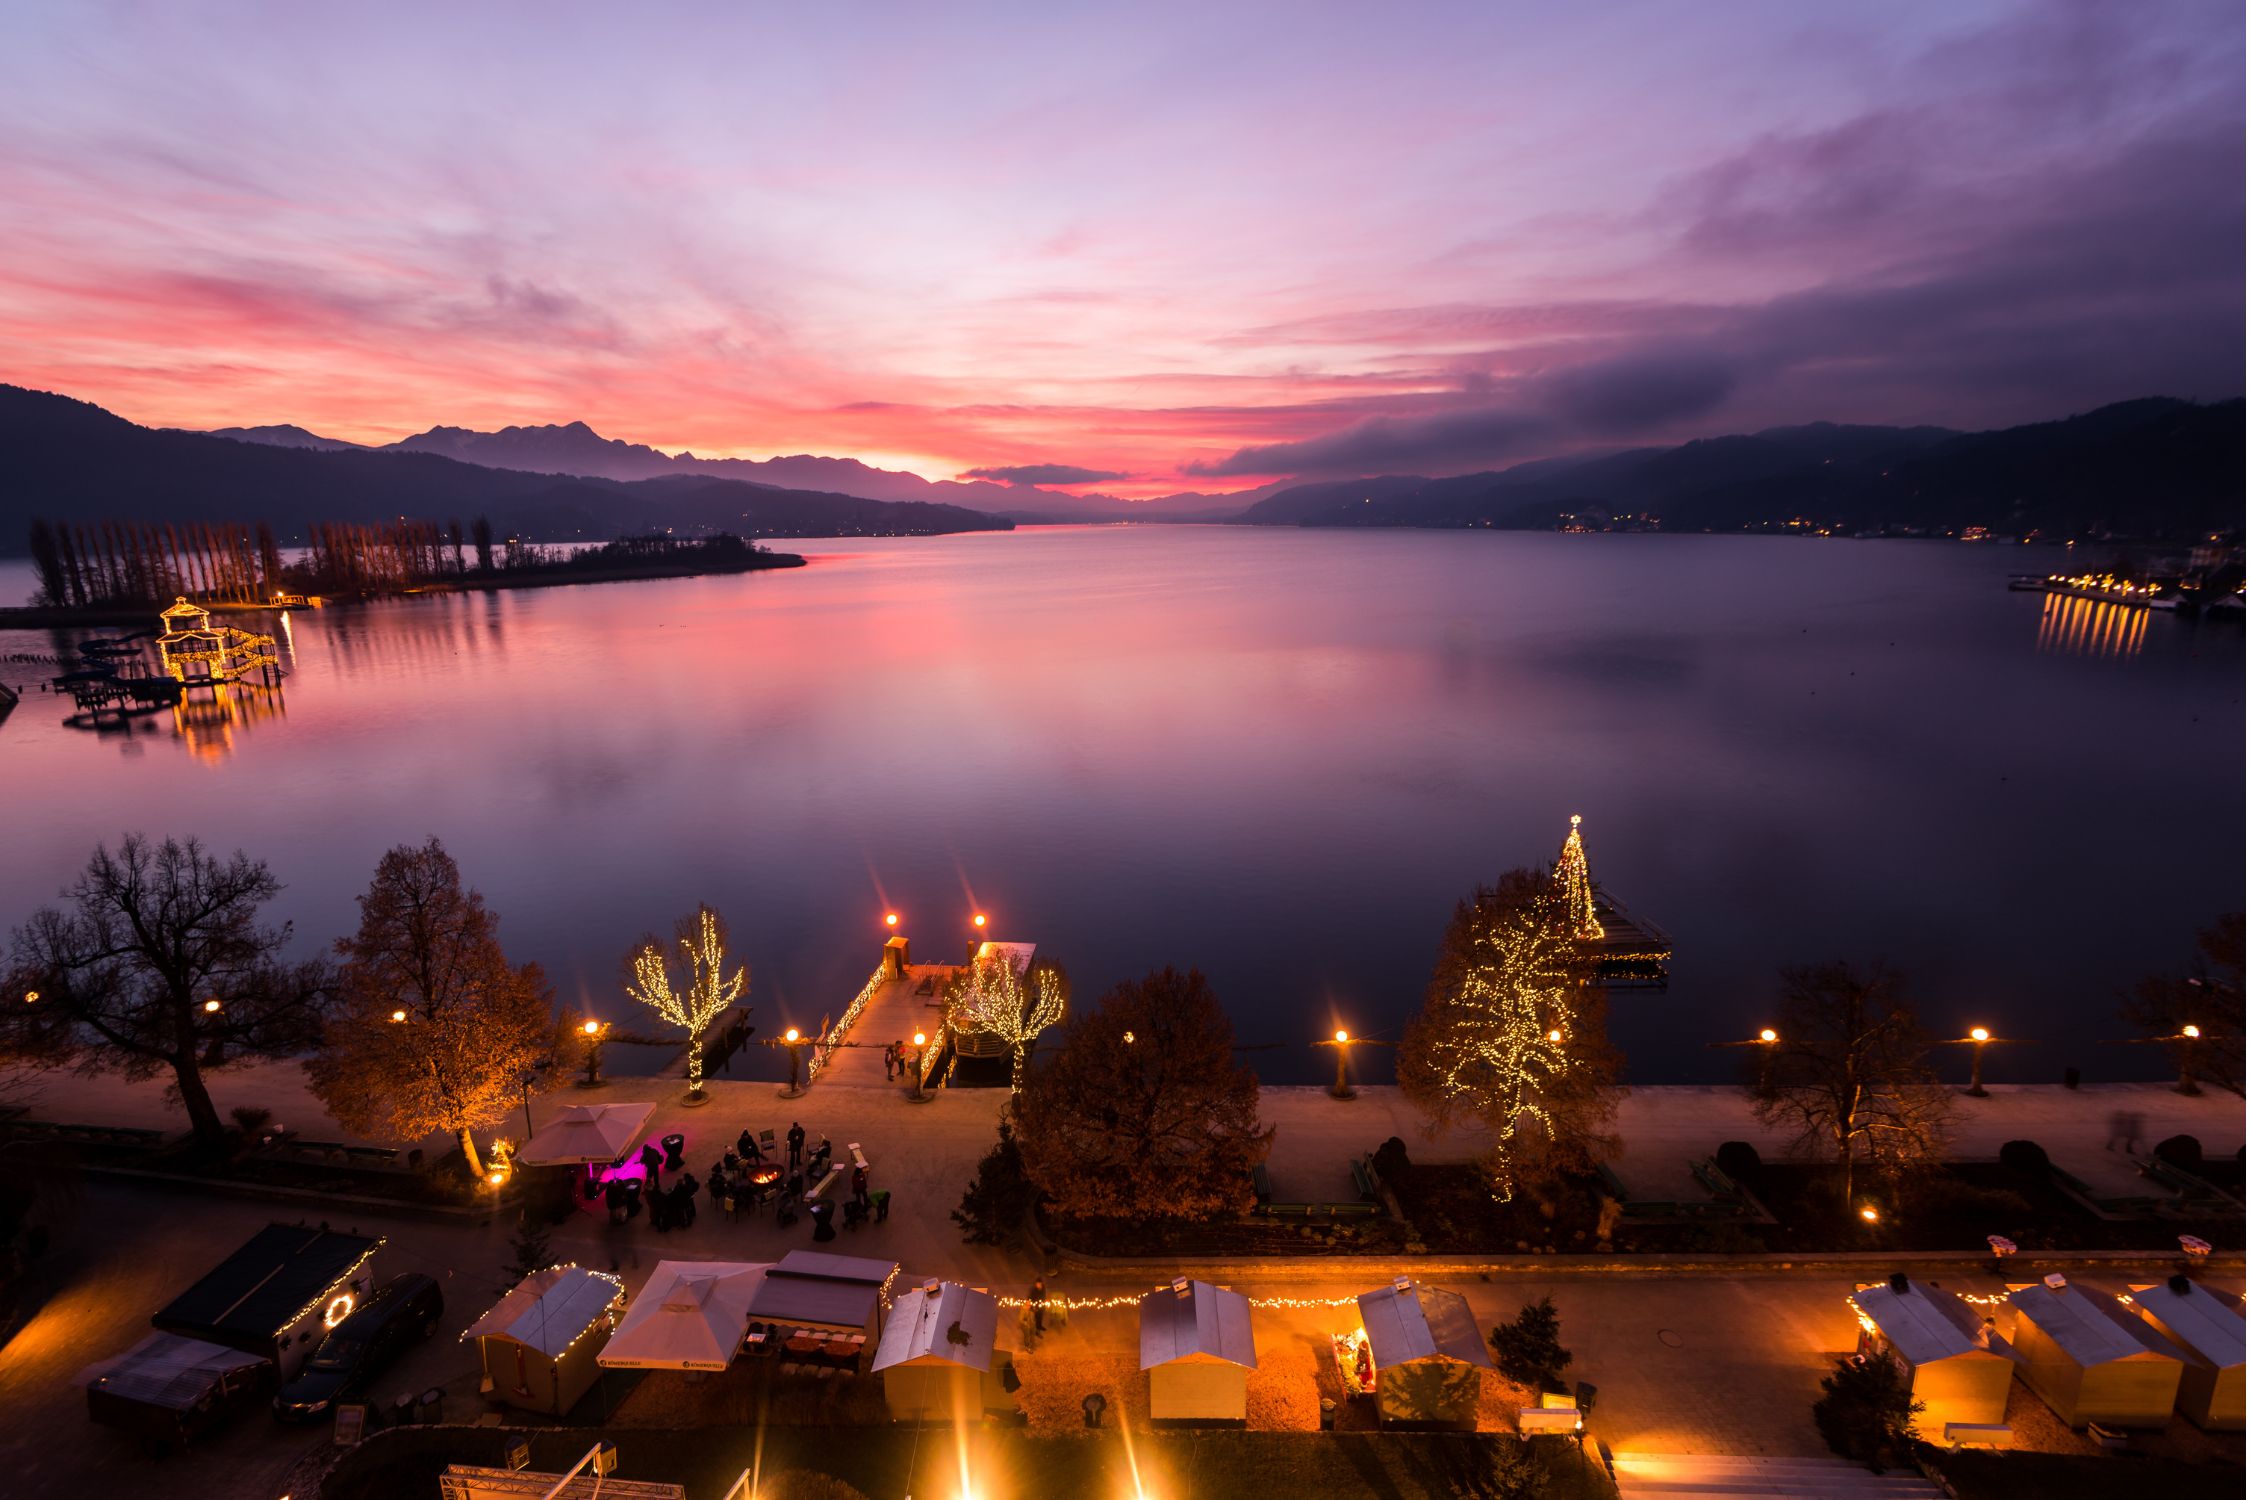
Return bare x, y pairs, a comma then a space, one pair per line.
1766, 1041
1343, 1041
31, 997
1976, 1041
890, 919
794, 1040
593, 1031
397, 1017
211, 1007
921, 1040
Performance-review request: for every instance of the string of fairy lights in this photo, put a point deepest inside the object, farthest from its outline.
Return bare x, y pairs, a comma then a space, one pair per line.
710, 989
843, 1026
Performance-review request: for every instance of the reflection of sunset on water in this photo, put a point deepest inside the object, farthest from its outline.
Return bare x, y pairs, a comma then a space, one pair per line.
2087, 627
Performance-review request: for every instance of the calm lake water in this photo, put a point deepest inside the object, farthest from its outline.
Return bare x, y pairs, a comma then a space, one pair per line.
1279, 756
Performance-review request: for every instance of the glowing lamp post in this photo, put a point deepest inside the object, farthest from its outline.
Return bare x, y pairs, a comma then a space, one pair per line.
1767, 1041
890, 920
398, 1018
1976, 1041
921, 1040
593, 1031
1343, 1041
794, 1040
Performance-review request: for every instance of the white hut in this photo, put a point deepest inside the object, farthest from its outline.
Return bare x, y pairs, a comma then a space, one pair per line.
539, 1344
1427, 1357
1958, 1365
691, 1315
2209, 1331
937, 1353
2090, 1360
1198, 1350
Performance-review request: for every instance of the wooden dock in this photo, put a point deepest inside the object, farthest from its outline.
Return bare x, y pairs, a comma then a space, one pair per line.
893, 1013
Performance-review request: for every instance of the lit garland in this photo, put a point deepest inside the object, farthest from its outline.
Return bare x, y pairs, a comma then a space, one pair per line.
836, 1033
2107, 584
225, 652
311, 1307
1133, 1299
607, 1317
1575, 887
997, 1000
710, 990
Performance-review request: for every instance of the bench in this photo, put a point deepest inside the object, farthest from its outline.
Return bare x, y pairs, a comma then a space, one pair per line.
821, 1186
1363, 1178
859, 1158
2180, 1181
1977, 1434
1714, 1181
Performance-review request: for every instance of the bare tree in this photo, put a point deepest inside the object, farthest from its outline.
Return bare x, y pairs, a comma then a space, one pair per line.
700, 994
435, 1030
160, 964
993, 996
1513, 1033
2198, 1014
1850, 1075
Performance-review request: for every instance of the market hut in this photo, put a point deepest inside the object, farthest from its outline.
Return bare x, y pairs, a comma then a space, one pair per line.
539, 1343
828, 1295
1425, 1358
168, 1390
2090, 1360
937, 1352
1197, 1348
2209, 1332
277, 1294
691, 1315
1958, 1365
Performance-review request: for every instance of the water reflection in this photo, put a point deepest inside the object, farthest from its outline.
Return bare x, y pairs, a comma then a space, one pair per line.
206, 719
2075, 626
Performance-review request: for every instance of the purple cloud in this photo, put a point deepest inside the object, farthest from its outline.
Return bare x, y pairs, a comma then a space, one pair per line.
1028, 475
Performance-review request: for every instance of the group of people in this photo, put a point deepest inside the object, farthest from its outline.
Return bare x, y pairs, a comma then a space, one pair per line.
896, 1062
743, 1177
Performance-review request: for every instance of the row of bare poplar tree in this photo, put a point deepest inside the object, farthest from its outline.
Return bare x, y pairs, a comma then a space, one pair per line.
149, 562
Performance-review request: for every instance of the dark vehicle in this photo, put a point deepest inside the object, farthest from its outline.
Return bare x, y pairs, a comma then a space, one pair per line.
403, 1311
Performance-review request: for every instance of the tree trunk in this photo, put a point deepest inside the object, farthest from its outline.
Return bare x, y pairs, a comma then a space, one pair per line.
469, 1153
203, 1115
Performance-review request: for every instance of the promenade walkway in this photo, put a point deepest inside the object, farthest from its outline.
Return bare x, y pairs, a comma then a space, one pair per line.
893, 1013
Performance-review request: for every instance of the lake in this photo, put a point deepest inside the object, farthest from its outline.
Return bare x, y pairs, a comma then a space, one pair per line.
1277, 755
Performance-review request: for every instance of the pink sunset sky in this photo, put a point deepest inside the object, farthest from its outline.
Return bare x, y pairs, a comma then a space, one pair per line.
1133, 249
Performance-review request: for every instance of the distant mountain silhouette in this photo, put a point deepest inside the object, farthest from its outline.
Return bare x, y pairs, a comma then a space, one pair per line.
285, 435
573, 448
72, 461
2150, 468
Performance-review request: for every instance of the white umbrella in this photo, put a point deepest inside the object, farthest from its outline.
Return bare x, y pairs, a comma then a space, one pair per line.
691, 1316
582, 1133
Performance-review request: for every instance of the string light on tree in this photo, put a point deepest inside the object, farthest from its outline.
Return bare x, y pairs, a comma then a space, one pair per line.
1575, 886
702, 992
996, 998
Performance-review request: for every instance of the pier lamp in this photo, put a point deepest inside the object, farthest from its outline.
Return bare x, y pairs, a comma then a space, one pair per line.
1976, 1041
794, 1040
594, 1031
1343, 1041
921, 1040
890, 919
1766, 1041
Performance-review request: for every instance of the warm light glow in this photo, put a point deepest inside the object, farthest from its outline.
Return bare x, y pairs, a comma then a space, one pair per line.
496, 1177
211, 1006
1343, 1037
977, 920
398, 1015
2191, 1032
790, 1035
592, 1028
1868, 1213
920, 1038
1128, 1039
890, 919
1554, 1036
30, 997
1769, 1035
339, 1308
1979, 1034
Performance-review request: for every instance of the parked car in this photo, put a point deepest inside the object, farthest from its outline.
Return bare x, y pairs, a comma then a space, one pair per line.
401, 1312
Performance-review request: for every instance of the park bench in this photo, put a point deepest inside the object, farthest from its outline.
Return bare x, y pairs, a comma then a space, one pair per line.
2183, 1182
1977, 1434
1714, 1181
1363, 1178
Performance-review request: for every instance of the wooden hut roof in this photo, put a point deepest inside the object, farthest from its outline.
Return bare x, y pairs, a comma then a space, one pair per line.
1407, 1321
2208, 1326
1922, 1323
549, 1309
1195, 1320
922, 1321
2091, 1331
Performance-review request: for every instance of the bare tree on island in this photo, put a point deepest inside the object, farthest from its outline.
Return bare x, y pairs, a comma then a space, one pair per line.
1144, 1112
436, 1029
701, 993
2198, 1014
994, 997
160, 964
1514, 1035
1850, 1075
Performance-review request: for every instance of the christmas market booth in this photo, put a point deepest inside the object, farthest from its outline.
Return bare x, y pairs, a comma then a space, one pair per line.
938, 1355
1198, 1351
2090, 1359
1418, 1354
1958, 1365
168, 1390
2208, 1331
820, 1309
278, 1294
691, 1315
539, 1343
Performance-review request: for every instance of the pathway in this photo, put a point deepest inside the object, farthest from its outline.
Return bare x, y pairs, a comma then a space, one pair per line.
897, 1009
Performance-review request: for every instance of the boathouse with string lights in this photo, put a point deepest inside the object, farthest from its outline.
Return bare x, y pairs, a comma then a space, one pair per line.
197, 653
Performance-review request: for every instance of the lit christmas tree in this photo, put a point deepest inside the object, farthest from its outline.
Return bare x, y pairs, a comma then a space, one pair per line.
705, 990
1574, 888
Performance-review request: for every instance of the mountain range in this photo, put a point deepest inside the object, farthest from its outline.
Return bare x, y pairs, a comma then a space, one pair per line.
574, 448
72, 461
2149, 468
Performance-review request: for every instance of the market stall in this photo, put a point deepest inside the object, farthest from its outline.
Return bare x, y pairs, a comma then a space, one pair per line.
835, 1301
2091, 1360
539, 1343
938, 1357
1956, 1362
168, 1390
278, 1294
1422, 1357
691, 1315
2208, 1331
1197, 1348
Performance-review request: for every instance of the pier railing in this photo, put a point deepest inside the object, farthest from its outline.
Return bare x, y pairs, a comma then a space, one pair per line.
831, 1039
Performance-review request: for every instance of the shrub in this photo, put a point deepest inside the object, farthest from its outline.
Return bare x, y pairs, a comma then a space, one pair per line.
1390, 1160
2025, 1159
1866, 1409
1530, 1350
993, 1209
250, 1118
2182, 1151
1950, 1198
1739, 1160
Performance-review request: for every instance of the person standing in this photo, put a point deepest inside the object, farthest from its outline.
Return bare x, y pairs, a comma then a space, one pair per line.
890, 1061
796, 1145
1039, 1305
652, 1165
859, 1185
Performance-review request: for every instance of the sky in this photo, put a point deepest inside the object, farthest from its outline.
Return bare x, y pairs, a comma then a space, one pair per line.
1132, 249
